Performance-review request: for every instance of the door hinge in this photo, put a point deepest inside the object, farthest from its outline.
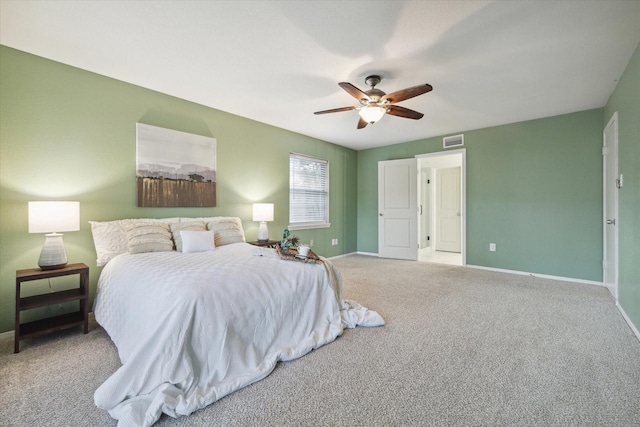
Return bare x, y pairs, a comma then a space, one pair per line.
604, 151
604, 265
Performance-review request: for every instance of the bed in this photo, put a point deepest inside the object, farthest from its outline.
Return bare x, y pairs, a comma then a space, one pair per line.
191, 327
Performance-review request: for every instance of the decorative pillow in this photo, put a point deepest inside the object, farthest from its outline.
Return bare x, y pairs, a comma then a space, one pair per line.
110, 237
197, 241
149, 237
226, 230
176, 229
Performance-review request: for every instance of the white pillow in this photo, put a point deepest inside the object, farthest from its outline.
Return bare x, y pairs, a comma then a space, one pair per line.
197, 241
176, 228
227, 230
110, 237
149, 237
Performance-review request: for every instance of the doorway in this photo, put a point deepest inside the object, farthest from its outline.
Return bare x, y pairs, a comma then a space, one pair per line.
442, 206
415, 219
612, 182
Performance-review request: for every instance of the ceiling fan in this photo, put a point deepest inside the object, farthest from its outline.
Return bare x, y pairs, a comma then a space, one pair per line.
374, 103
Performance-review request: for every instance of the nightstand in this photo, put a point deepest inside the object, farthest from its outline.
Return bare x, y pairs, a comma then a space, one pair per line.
56, 323
266, 244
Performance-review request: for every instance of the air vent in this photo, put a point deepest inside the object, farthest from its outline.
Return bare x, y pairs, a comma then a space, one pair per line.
452, 141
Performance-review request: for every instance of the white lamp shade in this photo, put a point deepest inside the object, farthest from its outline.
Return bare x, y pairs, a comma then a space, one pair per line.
372, 114
263, 211
50, 217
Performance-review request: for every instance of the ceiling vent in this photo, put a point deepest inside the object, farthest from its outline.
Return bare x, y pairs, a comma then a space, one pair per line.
452, 141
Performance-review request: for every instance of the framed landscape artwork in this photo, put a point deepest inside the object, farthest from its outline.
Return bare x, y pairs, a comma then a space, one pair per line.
174, 169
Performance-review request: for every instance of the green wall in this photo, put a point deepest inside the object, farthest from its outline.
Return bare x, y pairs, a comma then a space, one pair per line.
534, 188
626, 101
68, 134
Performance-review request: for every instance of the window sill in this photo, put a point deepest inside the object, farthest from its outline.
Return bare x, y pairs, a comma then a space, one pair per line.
309, 226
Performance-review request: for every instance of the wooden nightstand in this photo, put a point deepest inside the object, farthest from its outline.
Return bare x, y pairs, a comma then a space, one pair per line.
266, 244
56, 323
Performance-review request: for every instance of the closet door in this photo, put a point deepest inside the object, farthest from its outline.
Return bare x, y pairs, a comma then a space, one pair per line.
448, 218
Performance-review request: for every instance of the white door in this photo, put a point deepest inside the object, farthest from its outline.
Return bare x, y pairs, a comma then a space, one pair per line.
610, 196
448, 210
424, 208
398, 209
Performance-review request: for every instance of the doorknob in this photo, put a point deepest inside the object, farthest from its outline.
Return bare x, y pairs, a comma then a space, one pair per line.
380, 214
611, 221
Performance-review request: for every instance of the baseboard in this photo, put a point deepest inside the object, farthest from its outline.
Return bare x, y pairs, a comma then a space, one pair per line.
542, 276
367, 253
353, 253
502, 270
341, 256
628, 320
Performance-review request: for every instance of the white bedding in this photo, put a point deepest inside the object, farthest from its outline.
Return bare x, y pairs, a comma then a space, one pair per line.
191, 328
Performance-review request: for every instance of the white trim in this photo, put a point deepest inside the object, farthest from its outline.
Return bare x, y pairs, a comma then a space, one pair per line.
353, 253
613, 122
542, 276
629, 322
324, 223
308, 225
367, 253
342, 255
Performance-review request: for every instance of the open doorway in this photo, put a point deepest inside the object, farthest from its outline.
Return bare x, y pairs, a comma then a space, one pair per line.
441, 201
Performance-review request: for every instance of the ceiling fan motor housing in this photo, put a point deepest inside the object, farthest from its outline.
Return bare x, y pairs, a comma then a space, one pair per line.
375, 95
372, 80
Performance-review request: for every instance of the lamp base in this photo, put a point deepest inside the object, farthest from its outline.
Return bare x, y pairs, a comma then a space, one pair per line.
53, 254
263, 232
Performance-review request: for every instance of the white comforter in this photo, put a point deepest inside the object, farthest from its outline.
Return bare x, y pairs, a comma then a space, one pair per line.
192, 328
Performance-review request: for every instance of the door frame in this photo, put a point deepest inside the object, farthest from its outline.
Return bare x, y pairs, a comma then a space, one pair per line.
613, 121
463, 193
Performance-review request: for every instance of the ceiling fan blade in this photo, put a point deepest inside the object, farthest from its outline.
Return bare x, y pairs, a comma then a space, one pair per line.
396, 110
408, 93
353, 91
362, 123
335, 110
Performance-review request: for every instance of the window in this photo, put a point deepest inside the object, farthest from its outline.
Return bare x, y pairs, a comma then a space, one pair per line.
308, 192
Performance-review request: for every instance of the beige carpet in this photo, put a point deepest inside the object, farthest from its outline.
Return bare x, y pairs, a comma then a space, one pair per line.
461, 347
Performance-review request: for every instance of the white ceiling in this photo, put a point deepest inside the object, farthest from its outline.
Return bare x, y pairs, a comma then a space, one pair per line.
490, 62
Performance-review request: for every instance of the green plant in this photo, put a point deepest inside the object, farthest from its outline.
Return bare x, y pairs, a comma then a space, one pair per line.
288, 241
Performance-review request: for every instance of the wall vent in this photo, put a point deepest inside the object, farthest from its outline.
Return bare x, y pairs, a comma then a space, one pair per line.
453, 141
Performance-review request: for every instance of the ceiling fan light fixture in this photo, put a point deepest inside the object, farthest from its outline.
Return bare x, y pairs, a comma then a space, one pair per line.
372, 114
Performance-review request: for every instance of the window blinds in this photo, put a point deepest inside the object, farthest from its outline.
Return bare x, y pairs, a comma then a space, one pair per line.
308, 190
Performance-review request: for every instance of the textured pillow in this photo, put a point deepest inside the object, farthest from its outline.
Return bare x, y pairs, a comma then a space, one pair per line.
149, 237
176, 229
110, 237
197, 241
226, 230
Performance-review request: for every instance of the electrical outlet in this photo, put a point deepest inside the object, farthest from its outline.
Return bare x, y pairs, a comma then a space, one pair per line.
334, 242
492, 247
311, 243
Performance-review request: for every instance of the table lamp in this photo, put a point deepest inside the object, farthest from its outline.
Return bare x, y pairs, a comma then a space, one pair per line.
263, 212
51, 218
